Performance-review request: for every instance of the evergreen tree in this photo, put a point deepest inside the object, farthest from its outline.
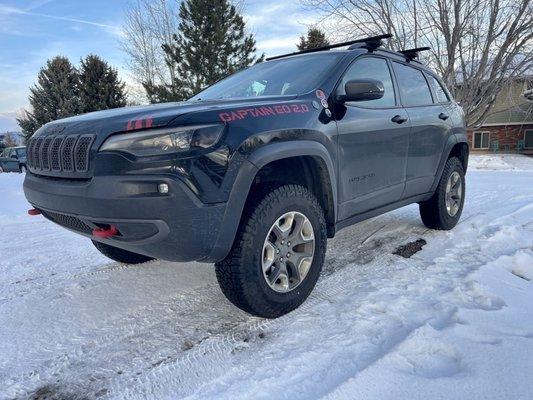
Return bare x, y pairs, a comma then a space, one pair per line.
56, 95
315, 38
100, 87
211, 44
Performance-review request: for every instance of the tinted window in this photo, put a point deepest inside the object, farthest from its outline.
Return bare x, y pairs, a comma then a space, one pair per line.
21, 152
373, 68
288, 76
413, 86
439, 91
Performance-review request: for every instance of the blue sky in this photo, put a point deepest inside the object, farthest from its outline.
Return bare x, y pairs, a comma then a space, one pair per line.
32, 31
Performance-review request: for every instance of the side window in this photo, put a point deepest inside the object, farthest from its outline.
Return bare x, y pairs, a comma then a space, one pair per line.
372, 68
413, 86
442, 96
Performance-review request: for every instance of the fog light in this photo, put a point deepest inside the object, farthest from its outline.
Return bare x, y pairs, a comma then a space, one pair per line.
162, 188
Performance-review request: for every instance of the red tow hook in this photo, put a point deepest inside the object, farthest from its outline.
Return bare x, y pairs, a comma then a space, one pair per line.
105, 233
33, 212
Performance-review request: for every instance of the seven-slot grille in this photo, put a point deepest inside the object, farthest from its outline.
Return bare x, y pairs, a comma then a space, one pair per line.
60, 153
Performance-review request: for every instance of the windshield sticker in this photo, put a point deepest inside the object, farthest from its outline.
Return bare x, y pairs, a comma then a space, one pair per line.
320, 94
258, 112
324, 103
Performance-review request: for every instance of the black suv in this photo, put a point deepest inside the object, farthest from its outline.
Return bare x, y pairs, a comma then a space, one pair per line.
258, 170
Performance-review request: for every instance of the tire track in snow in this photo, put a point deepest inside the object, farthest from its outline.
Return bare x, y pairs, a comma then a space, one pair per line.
162, 316
192, 304
210, 358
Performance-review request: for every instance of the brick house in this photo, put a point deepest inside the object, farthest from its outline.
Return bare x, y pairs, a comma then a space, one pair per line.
509, 126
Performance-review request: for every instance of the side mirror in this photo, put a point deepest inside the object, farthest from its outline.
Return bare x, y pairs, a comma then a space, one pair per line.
363, 90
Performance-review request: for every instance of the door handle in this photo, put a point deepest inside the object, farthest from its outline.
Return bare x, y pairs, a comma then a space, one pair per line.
398, 119
443, 116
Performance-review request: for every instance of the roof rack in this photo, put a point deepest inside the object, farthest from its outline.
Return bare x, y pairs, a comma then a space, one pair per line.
371, 43
411, 54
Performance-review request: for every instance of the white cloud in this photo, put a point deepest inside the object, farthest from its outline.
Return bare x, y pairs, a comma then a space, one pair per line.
277, 27
277, 44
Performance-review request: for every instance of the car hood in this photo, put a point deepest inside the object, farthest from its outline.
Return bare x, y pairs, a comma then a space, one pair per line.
104, 123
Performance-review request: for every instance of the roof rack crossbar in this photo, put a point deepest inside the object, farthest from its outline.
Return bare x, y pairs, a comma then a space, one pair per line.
411, 54
371, 43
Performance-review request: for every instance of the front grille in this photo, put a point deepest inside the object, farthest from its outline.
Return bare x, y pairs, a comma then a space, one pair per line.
55, 159
68, 221
45, 159
60, 153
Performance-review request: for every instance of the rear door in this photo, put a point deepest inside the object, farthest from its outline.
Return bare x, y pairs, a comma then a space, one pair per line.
373, 142
430, 127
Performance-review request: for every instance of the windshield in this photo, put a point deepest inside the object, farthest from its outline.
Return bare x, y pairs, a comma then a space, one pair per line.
289, 76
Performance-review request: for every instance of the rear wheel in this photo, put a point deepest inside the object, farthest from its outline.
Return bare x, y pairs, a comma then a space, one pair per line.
444, 208
120, 255
277, 255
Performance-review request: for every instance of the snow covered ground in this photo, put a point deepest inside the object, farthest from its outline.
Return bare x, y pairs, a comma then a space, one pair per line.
454, 321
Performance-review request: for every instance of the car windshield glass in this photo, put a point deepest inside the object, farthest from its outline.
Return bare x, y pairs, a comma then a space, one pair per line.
288, 76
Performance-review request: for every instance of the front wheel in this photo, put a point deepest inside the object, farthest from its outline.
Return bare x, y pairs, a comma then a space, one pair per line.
277, 255
444, 208
23, 169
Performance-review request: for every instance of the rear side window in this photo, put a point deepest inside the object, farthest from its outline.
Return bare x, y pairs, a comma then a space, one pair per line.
373, 68
413, 86
438, 89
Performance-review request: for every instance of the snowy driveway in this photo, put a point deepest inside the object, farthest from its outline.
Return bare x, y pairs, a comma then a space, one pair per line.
453, 321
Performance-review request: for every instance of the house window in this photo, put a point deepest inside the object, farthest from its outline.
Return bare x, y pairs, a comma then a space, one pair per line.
481, 140
528, 139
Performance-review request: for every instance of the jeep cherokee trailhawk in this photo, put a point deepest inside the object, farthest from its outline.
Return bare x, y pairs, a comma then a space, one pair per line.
257, 171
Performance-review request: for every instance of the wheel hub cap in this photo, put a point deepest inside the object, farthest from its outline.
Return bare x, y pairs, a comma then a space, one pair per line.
288, 252
454, 194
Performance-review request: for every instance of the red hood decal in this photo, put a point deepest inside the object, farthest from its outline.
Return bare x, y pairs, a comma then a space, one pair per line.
263, 111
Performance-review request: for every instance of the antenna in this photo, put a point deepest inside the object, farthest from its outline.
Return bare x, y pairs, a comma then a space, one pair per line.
371, 43
411, 54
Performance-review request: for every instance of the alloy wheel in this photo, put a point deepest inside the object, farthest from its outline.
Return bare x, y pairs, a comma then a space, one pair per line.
454, 194
288, 252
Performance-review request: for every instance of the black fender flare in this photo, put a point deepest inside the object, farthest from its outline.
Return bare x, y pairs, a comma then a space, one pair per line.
450, 143
245, 177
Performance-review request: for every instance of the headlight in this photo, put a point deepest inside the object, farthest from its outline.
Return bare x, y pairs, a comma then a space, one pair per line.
164, 141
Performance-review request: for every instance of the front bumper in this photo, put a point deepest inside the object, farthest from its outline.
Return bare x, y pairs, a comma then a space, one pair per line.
176, 226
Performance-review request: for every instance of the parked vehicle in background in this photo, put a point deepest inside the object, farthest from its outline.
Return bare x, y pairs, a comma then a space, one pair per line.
13, 159
258, 170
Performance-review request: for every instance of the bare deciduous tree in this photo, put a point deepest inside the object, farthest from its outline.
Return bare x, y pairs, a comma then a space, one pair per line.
10, 140
478, 46
148, 25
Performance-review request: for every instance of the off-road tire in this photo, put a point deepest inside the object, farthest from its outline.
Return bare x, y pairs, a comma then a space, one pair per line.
240, 274
120, 255
433, 211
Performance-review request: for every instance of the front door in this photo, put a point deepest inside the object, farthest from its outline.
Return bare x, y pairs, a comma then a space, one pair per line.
373, 143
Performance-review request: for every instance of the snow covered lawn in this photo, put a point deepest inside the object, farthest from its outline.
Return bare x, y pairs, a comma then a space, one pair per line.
454, 321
